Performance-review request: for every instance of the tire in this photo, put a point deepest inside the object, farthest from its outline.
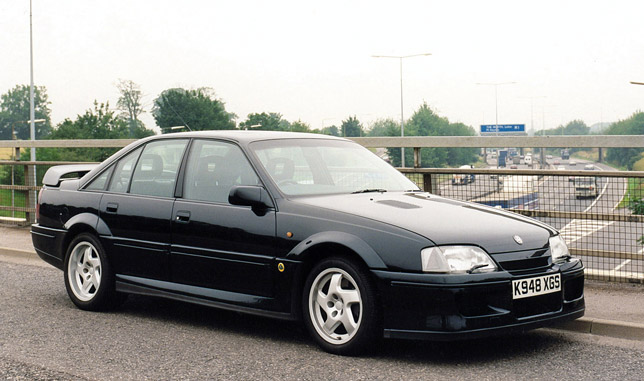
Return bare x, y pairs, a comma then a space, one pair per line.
89, 279
340, 307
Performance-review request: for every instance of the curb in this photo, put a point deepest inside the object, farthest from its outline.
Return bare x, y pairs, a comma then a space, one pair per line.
602, 327
11, 252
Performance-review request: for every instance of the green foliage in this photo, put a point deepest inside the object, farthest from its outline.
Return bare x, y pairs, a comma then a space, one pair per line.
265, 121
331, 130
575, 127
198, 109
299, 126
97, 123
425, 122
351, 127
14, 112
626, 157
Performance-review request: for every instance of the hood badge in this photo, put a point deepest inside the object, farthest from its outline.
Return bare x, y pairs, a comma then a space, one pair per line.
518, 240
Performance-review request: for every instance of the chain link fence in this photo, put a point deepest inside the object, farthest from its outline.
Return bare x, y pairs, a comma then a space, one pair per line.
599, 213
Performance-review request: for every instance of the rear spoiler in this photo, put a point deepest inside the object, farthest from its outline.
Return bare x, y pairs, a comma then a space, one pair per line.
54, 175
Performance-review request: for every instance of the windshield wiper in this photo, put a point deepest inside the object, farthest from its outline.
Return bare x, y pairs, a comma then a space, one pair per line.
370, 190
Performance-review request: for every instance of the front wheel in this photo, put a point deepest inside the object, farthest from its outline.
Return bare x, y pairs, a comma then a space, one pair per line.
340, 309
88, 277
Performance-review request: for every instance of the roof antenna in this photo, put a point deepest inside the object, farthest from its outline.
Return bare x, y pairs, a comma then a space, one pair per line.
177, 114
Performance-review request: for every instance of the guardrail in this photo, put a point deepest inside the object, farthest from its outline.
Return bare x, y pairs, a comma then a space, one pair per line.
599, 225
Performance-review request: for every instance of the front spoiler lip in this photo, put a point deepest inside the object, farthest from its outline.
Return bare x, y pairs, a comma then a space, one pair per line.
483, 332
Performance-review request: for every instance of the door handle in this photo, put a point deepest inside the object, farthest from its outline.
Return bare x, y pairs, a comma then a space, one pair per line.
183, 216
112, 207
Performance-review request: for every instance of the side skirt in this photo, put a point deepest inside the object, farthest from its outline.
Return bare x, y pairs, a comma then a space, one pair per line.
122, 285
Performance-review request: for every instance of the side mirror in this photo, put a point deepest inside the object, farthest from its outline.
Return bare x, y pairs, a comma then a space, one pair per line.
253, 196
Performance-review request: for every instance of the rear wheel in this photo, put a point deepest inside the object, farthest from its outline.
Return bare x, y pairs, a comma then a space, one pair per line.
88, 277
340, 309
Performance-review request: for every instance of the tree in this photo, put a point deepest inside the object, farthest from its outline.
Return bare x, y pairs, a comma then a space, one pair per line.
351, 127
97, 123
197, 109
425, 122
331, 130
264, 121
14, 112
129, 104
299, 126
626, 157
575, 127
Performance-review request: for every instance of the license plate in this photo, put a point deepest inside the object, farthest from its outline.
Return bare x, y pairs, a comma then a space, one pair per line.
525, 288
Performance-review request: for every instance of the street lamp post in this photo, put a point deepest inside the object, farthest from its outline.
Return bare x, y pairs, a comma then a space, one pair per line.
496, 100
402, 119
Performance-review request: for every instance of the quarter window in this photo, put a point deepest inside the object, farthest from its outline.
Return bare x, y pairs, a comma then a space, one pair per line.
123, 172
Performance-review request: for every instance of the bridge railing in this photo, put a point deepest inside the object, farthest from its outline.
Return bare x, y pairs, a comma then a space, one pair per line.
604, 225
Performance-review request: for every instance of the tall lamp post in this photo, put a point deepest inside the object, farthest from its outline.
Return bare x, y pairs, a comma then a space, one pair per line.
402, 119
496, 100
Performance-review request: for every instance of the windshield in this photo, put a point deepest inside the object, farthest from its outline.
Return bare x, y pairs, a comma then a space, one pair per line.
315, 166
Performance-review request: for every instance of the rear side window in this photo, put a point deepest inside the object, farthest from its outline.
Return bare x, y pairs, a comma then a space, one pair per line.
123, 173
156, 171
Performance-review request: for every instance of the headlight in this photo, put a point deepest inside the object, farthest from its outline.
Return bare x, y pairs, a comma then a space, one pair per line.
456, 259
558, 248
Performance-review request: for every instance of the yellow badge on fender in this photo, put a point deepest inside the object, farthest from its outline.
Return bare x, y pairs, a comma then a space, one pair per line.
280, 267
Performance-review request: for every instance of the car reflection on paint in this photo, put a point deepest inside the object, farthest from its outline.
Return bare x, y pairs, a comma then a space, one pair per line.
300, 227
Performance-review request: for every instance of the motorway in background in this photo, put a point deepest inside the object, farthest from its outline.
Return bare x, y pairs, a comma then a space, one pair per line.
557, 193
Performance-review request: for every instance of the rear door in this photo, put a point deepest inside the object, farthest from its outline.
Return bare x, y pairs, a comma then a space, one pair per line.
137, 209
215, 244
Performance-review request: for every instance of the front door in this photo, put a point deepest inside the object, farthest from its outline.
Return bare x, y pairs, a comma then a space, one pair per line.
215, 244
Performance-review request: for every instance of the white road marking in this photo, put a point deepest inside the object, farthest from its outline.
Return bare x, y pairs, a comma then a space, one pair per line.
622, 265
578, 229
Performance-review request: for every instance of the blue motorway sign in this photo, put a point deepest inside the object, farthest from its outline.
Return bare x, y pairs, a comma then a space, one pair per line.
488, 128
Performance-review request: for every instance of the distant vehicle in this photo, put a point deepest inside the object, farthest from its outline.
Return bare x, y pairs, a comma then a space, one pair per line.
548, 157
528, 160
556, 162
518, 192
589, 167
516, 160
513, 166
561, 168
572, 163
463, 178
565, 154
503, 154
585, 186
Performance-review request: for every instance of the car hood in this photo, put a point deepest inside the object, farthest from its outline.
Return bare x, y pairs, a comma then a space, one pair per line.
441, 220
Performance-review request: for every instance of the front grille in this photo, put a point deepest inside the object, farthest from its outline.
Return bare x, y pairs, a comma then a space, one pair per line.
537, 305
523, 262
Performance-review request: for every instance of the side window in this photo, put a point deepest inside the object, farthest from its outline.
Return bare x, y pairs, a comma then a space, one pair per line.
123, 172
213, 168
156, 171
99, 182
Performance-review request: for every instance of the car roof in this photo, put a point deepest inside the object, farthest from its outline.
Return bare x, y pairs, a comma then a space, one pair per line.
244, 136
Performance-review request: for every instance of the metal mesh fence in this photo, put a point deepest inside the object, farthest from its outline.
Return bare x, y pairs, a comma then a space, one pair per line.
599, 213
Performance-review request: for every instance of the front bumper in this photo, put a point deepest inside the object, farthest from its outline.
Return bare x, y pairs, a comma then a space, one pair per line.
448, 307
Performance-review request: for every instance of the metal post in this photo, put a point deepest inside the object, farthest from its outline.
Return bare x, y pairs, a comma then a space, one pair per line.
402, 119
32, 111
601, 155
416, 157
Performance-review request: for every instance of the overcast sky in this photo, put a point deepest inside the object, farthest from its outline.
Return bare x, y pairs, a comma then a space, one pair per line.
313, 60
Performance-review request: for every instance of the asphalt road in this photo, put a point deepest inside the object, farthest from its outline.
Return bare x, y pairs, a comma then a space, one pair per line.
43, 336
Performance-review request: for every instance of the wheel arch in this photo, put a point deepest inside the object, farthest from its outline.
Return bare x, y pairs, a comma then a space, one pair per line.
324, 245
83, 223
